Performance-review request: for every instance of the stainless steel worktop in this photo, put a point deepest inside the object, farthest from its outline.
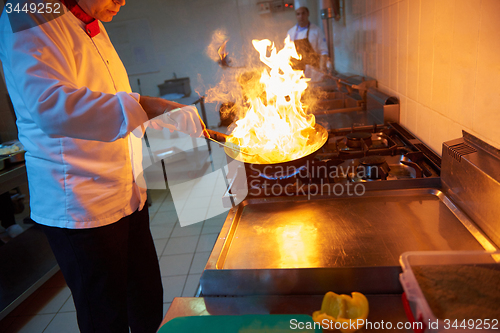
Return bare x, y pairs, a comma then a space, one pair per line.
12, 176
281, 254
292, 245
372, 230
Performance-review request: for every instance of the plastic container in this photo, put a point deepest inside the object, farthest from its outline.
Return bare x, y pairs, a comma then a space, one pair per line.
417, 306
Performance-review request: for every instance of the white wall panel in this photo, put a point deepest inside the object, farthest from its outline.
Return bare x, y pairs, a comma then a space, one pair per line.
441, 58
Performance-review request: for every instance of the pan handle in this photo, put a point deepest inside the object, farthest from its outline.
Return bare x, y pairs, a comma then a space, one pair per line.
217, 136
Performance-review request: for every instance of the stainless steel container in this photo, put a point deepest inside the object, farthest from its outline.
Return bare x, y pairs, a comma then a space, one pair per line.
2, 161
17, 157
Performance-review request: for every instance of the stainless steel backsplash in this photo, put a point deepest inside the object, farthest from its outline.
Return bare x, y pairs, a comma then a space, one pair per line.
470, 174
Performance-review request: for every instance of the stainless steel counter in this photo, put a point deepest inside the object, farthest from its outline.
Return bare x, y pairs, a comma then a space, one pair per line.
26, 261
12, 176
280, 255
347, 117
292, 245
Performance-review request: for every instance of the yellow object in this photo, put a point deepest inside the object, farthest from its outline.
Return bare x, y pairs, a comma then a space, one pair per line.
342, 312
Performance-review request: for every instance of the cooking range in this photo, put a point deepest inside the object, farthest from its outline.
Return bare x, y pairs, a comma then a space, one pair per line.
308, 240
368, 155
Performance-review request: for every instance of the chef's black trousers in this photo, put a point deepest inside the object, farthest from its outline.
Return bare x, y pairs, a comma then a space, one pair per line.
113, 274
7, 210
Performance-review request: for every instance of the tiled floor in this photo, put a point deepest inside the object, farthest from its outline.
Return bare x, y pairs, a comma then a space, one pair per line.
182, 253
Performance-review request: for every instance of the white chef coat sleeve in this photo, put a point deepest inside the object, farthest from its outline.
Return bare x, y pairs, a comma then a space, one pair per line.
46, 71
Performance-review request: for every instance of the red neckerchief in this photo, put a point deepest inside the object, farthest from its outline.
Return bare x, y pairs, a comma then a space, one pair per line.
91, 24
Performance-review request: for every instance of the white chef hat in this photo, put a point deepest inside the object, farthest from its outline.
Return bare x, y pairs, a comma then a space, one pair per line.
300, 3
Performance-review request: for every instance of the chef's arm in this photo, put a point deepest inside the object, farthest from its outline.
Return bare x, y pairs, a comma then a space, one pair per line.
155, 106
185, 118
323, 50
48, 90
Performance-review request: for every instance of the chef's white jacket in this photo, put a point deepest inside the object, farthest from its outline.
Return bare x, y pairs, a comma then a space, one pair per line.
75, 112
316, 37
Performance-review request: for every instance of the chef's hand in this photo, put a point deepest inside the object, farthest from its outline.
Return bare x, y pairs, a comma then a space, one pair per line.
155, 106
185, 119
172, 115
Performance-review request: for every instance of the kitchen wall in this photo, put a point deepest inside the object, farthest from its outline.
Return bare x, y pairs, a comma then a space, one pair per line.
181, 31
441, 58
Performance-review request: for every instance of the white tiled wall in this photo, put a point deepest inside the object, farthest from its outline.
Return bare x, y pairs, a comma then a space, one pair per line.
441, 58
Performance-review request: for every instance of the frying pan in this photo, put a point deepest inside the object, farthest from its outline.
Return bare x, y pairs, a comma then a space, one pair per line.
275, 170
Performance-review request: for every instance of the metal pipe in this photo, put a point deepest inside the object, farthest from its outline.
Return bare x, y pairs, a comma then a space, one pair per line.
327, 13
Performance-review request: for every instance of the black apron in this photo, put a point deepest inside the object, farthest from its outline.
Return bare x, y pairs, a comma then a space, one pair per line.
305, 49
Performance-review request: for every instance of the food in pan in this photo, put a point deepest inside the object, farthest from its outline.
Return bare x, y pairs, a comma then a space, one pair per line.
275, 127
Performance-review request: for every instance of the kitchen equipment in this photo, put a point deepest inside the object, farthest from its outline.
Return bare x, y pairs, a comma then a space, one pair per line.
471, 176
260, 171
364, 154
344, 93
220, 137
311, 245
254, 172
331, 228
11, 152
243, 323
317, 138
2, 161
16, 157
437, 283
180, 86
338, 109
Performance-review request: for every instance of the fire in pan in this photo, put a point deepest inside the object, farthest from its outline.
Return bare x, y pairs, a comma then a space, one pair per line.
262, 167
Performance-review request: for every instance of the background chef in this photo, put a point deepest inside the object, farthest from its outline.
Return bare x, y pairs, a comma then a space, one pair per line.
309, 40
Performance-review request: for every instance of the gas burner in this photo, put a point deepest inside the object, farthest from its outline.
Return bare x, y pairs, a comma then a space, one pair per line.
363, 154
358, 139
372, 161
361, 143
373, 168
402, 171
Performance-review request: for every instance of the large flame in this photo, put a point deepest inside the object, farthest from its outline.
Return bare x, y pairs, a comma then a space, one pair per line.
275, 127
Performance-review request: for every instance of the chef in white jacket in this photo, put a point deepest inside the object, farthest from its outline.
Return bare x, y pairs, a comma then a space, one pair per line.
75, 114
309, 40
